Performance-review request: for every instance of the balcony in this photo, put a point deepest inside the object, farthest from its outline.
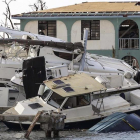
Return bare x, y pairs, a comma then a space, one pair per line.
129, 43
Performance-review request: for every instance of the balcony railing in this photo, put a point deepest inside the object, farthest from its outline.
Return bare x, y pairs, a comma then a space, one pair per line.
129, 43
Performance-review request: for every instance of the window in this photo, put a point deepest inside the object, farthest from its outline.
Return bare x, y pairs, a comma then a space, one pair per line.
94, 29
78, 101
47, 91
47, 28
56, 100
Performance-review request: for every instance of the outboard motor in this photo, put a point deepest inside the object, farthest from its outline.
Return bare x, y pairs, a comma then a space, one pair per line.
137, 77
34, 73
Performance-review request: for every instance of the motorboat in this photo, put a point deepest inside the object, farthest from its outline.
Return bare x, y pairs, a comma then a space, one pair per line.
81, 97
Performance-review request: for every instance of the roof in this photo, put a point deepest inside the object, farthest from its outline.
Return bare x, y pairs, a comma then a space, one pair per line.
87, 8
77, 82
96, 7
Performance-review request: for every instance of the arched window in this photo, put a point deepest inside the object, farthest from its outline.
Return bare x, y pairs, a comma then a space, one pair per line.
129, 35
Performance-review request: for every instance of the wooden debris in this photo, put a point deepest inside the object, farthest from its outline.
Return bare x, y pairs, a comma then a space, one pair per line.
33, 124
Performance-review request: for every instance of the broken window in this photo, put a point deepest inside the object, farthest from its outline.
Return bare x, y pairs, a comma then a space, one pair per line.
94, 29
47, 28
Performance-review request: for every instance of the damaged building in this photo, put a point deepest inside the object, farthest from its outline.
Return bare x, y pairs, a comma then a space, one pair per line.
113, 27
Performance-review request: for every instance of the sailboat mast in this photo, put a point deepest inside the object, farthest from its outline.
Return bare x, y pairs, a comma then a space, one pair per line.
85, 37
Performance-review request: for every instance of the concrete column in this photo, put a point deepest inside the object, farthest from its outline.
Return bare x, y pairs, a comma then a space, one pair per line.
68, 24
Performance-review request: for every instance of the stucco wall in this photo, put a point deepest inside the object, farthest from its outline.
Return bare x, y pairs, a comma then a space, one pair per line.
107, 36
61, 30
31, 27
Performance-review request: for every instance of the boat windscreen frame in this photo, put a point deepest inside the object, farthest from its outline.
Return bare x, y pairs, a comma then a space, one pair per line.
60, 105
48, 96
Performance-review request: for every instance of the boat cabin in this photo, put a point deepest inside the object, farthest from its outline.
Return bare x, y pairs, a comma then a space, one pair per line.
72, 94
79, 95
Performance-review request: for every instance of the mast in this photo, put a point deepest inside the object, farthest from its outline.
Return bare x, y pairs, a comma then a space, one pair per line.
85, 37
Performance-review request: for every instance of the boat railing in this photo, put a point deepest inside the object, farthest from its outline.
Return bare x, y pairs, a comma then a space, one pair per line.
129, 43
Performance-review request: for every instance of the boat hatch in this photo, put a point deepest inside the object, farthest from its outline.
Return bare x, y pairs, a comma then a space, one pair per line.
35, 105
58, 82
77, 84
68, 89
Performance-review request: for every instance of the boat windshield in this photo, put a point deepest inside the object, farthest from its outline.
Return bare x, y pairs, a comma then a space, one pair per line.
46, 93
56, 100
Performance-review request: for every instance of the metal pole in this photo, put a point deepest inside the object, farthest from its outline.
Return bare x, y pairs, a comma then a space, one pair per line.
85, 37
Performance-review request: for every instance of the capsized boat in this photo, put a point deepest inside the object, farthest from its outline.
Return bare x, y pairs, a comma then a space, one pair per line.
117, 122
81, 97
57, 52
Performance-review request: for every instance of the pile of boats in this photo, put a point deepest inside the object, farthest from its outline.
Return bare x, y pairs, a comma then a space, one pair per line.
52, 76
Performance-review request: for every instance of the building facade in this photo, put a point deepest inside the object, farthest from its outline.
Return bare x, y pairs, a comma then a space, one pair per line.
113, 27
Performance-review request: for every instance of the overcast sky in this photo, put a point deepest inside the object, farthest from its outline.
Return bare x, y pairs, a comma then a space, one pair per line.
21, 6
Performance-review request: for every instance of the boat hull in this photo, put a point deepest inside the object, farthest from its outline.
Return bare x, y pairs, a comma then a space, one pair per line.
72, 125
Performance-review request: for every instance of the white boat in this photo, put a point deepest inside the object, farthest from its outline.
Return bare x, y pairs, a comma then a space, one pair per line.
81, 97
56, 55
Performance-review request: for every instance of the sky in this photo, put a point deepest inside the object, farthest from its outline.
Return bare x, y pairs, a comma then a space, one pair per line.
21, 6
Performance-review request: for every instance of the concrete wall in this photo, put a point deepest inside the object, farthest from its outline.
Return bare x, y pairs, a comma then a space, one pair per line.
32, 27
61, 30
107, 36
